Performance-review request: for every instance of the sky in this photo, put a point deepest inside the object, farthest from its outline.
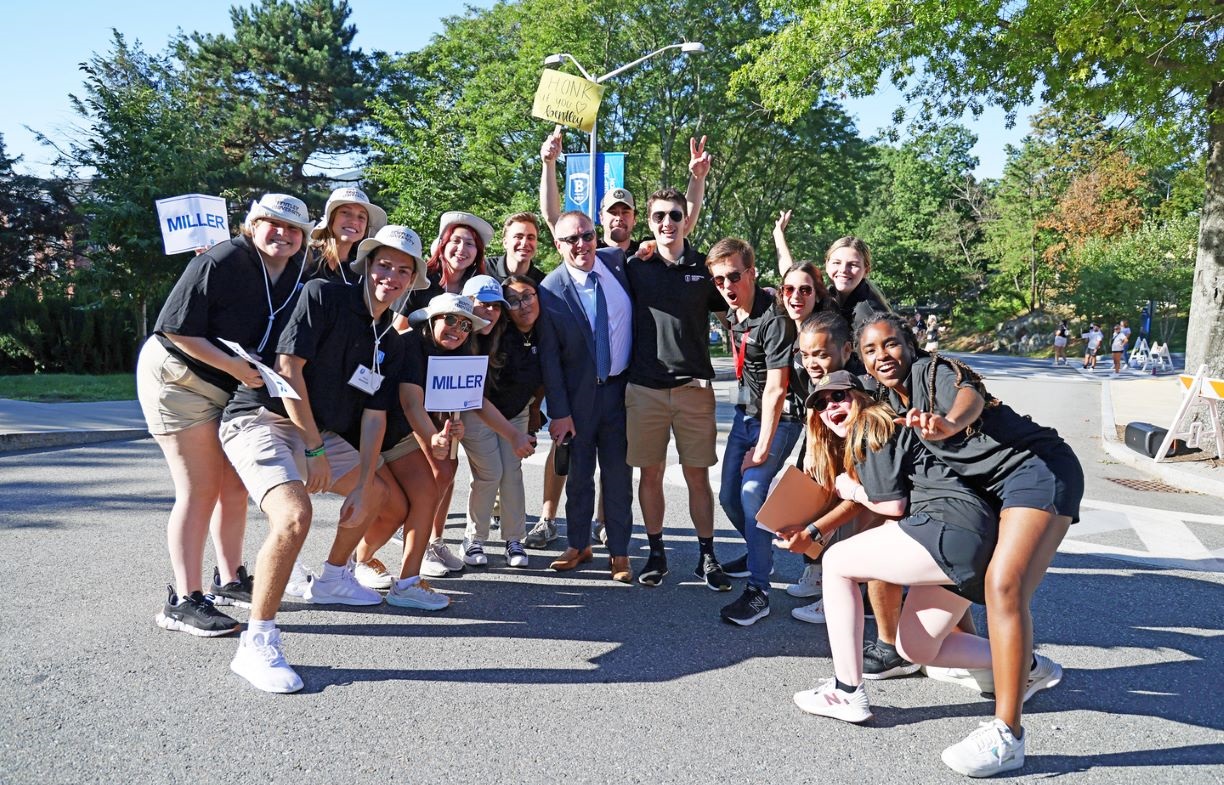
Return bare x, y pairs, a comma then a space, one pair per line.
48, 40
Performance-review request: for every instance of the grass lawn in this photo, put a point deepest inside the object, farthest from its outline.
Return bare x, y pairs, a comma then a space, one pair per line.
59, 387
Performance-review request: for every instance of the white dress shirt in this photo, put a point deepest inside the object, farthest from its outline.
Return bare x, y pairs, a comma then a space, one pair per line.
620, 310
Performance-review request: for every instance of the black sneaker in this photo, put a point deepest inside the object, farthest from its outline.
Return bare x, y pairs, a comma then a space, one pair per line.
196, 615
710, 571
753, 604
881, 661
236, 593
737, 568
654, 570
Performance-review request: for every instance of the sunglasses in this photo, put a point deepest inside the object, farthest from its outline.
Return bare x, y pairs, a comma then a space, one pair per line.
464, 325
514, 303
803, 289
574, 239
676, 216
834, 396
734, 277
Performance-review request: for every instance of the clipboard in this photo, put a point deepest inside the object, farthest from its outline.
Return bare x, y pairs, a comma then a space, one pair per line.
795, 499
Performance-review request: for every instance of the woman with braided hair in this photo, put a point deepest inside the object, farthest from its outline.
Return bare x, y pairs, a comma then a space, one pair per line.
1035, 479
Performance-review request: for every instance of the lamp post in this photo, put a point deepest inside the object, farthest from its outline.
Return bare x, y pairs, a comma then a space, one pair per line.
687, 47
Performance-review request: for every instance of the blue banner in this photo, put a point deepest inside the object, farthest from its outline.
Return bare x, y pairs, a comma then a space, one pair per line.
578, 179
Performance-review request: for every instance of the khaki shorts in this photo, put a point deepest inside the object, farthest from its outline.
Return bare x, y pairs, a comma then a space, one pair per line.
651, 416
405, 446
267, 450
172, 396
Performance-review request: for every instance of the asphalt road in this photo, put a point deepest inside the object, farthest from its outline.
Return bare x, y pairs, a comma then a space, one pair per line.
532, 676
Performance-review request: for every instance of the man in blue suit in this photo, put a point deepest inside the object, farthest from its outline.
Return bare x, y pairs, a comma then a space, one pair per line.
585, 356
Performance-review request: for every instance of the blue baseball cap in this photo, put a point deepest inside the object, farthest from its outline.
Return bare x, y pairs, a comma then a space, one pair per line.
484, 289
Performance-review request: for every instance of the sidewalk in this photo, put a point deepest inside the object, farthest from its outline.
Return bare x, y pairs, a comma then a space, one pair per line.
25, 425
1155, 400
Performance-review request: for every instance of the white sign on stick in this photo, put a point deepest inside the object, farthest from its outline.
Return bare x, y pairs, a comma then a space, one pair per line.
455, 384
276, 384
192, 221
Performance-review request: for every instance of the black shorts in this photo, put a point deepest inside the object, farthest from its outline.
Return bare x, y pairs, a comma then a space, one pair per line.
963, 554
1051, 480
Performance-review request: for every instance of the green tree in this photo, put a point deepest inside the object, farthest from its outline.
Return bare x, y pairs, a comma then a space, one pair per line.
39, 226
1159, 64
288, 88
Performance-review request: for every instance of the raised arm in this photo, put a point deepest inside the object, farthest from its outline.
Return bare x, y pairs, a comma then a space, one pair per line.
550, 197
779, 237
694, 196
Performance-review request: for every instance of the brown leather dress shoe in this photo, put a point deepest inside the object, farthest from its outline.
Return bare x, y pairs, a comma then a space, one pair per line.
620, 569
572, 558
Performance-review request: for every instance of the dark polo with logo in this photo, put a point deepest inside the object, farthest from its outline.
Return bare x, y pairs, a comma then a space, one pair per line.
672, 304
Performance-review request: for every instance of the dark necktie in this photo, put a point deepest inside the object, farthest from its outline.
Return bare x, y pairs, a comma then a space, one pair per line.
603, 346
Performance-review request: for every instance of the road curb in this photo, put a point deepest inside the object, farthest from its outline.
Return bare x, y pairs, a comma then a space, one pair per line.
41, 440
1165, 472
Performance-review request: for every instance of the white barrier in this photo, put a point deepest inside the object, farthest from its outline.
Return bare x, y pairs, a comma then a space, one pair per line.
1200, 391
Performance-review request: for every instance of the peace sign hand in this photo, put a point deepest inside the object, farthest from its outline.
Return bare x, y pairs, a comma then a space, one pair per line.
699, 159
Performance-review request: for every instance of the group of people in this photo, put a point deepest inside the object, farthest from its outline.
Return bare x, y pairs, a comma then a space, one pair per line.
939, 487
1093, 339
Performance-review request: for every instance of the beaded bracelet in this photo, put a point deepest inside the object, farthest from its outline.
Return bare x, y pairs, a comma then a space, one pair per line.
316, 452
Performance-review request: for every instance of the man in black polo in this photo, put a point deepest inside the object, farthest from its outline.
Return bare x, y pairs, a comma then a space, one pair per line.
520, 239
670, 383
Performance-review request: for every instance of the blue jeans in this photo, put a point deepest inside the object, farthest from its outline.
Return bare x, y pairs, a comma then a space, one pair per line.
742, 494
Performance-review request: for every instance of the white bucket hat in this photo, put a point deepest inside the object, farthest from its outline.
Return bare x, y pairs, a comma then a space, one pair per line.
448, 303
401, 238
477, 224
281, 207
377, 216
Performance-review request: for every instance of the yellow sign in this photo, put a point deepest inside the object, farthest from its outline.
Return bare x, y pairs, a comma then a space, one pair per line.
567, 99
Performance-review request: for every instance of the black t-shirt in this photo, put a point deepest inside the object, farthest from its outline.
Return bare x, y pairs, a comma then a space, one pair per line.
418, 346
496, 267
331, 330
671, 319
766, 337
512, 386
800, 386
860, 304
1001, 441
224, 293
316, 267
630, 251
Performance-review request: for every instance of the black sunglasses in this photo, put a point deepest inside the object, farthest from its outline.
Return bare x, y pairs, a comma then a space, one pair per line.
835, 396
676, 216
573, 239
728, 278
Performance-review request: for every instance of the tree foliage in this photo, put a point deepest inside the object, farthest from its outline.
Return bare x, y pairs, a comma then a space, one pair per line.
38, 226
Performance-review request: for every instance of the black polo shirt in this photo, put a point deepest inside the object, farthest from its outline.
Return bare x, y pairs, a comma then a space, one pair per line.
672, 304
513, 385
419, 298
767, 337
859, 304
496, 267
331, 330
222, 294
316, 267
418, 346
630, 251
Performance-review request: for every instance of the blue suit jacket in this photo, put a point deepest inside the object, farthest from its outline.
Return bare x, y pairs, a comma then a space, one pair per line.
568, 346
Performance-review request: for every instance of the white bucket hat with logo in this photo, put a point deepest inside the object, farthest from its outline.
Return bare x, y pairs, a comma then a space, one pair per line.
280, 207
401, 238
377, 217
447, 303
474, 222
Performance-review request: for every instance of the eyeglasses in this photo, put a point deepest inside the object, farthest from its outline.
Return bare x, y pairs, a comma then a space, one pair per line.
464, 325
834, 396
573, 239
676, 216
803, 289
514, 303
734, 277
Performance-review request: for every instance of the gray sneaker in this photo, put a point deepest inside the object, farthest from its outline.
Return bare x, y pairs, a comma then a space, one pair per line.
543, 533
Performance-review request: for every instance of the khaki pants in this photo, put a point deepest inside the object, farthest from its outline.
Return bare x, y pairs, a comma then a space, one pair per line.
495, 468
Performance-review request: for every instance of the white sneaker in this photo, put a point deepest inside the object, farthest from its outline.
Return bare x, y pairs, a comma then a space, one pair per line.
432, 566
515, 555
828, 701
373, 574
343, 589
299, 579
446, 555
473, 553
1046, 673
808, 584
989, 750
812, 614
260, 661
980, 680
418, 595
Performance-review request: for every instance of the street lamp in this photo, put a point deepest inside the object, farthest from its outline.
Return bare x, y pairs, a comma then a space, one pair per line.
686, 47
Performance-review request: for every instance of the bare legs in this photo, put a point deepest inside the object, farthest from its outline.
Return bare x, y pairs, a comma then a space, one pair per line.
700, 497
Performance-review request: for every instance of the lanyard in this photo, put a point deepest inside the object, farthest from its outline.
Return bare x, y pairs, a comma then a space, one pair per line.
740, 352
378, 336
272, 312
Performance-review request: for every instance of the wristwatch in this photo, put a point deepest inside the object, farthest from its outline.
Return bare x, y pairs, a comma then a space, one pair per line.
814, 532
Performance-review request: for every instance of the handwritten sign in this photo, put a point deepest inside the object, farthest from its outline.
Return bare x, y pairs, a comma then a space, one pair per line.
567, 99
455, 384
276, 384
192, 221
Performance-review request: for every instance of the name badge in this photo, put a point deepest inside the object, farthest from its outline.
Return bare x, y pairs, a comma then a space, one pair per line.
743, 396
366, 380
